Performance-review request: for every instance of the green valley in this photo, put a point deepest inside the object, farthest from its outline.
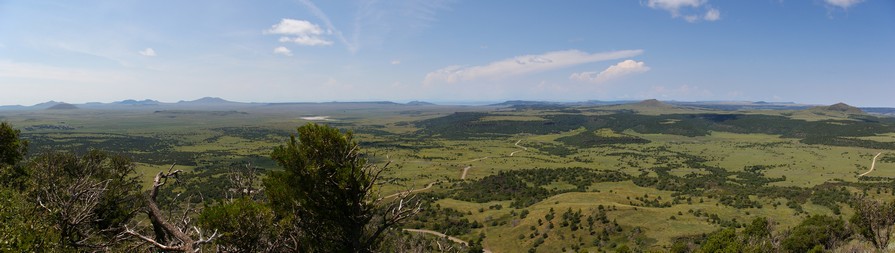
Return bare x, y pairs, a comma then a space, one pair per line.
646, 176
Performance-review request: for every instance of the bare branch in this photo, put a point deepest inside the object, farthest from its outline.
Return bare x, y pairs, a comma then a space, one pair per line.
159, 221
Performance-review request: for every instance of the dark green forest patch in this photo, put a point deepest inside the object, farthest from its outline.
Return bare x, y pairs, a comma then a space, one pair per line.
527, 187
467, 125
589, 139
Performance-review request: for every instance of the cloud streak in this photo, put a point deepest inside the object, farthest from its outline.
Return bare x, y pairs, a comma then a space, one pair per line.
147, 52
844, 4
678, 7
522, 65
352, 46
621, 69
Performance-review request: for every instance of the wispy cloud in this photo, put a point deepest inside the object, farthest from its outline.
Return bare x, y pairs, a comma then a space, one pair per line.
283, 51
674, 6
522, 65
844, 4
687, 9
300, 32
395, 62
147, 52
621, 69
352, 46
834, 6
712, 15
376, 21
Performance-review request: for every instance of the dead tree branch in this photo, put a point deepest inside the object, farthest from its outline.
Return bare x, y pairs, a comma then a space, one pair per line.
164, 229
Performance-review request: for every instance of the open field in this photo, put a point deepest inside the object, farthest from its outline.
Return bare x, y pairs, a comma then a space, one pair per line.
647, 178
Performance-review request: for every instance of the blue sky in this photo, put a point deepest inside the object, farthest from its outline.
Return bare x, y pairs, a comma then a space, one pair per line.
809, 51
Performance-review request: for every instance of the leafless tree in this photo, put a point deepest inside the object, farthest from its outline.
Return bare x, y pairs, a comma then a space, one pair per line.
875, 220
71, 207
387, 214
87, 199
168, 236
243, 181
419, 243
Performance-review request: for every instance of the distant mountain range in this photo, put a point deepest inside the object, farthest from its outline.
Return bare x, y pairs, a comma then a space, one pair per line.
713, 105
208, 101
205, 102
220, 103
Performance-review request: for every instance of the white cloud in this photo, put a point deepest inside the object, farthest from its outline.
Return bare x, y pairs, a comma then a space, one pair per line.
300, 32
148, 52
677, 8
712, 15
522, 65
283, 51
294, 27
307, 40
395, 62
674, 6
844, 4
624, 68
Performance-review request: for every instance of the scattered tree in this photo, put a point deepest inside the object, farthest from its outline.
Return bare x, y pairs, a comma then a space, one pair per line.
328, 187
12, 148
816, 230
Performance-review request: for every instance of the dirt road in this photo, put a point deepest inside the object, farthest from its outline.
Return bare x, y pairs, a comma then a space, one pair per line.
466, 169
872, 164
520, 146
454, 239
428, 186
476, 160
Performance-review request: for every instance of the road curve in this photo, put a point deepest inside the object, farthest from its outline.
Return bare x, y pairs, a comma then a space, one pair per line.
872, 164
436, 233
476, 160
520, 146
429, 186
465, 170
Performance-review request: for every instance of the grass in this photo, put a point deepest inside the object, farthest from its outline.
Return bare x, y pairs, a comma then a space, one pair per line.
427, 160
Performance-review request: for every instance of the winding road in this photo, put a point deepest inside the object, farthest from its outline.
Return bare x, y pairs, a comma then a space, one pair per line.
462, 176
520, 146
439, 234
466, 169
872, 164
428, 186
477, 159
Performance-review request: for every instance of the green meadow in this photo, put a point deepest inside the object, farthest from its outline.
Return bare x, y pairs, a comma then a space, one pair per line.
684, 172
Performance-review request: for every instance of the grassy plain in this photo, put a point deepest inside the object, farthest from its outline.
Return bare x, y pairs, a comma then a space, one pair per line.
221, 139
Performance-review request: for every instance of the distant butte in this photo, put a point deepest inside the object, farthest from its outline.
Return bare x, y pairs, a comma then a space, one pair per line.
839, 107
653, 103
